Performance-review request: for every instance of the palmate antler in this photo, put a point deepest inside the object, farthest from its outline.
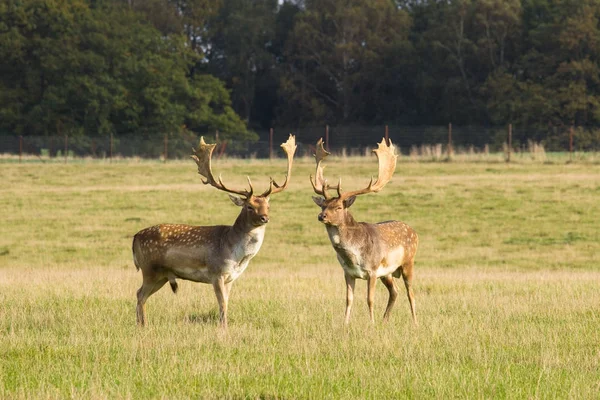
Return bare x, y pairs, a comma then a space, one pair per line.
319, 183
387, 165
203, 155
289, 148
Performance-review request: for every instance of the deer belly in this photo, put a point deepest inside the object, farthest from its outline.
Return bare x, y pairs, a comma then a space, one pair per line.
189, 264
391, 262
195, 274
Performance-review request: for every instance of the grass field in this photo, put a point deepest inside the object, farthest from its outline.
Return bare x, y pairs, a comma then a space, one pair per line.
507, 285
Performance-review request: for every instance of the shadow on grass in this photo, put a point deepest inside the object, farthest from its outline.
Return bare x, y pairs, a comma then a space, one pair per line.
210, 317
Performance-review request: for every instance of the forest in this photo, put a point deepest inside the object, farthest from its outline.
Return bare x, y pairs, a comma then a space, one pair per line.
187, 67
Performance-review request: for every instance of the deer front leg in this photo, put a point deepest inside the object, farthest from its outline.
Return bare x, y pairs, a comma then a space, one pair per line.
228, 290
390, 284
350, 281
372, 281
222, 292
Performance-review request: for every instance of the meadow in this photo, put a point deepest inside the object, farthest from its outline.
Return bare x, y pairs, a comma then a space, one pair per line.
507, 285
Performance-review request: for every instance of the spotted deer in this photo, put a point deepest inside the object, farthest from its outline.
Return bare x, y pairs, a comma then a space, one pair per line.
367, 251
216, 255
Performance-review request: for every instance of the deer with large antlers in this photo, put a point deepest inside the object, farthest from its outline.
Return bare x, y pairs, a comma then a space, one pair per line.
216, 255
367, 251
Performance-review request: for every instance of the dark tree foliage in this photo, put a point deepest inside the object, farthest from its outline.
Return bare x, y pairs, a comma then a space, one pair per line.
79, 68
93, 67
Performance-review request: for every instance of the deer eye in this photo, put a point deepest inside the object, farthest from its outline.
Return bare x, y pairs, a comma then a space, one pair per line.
249, 208
340, 208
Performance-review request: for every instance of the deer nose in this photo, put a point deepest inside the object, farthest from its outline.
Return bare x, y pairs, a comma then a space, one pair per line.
321, 217
264, 219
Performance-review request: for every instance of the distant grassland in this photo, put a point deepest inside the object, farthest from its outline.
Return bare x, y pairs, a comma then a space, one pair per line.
507, 284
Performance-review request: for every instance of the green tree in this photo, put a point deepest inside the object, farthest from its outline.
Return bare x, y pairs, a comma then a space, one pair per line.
338, 53
210, 110
451, 67
498, 29
241, 37
68, 68
555, 80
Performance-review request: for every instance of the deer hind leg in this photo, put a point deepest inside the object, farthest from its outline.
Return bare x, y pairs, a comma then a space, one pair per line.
350, 282
390, 284
222, 293
407, 274
372, 282
149, 287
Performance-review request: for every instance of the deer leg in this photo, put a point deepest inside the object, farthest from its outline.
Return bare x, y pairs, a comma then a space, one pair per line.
350, 281
407, 273
228, 289
221, 291
372, 281
148, 288
390, 284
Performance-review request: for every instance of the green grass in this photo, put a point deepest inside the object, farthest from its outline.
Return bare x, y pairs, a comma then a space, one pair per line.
507, 286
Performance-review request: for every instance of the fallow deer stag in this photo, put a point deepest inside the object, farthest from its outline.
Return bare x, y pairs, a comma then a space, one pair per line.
367, 251
217, 255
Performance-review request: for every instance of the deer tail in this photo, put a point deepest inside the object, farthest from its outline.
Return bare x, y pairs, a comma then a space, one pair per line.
173, 283
133, 246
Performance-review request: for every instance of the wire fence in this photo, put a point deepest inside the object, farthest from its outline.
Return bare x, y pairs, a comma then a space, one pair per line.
351, 140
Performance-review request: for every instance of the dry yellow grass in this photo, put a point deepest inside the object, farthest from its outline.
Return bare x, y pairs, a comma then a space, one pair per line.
507, 287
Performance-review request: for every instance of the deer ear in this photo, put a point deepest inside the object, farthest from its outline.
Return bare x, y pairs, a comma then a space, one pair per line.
349, 201
237, 201
318, 201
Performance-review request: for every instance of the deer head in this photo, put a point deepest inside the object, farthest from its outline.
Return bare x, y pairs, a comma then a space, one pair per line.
254, 208
334, 209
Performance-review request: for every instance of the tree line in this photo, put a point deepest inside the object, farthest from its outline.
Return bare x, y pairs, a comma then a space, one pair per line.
188, 67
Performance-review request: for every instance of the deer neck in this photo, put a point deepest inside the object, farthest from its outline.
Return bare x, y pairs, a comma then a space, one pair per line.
342, 235
244, 231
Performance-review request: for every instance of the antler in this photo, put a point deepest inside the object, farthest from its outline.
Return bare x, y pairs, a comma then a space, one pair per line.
289, 148
387, 165
203, 156
319, 183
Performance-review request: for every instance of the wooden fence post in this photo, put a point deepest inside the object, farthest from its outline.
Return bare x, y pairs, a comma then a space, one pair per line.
166, 147
327, 137
449, 140
387, 136
509, 142
571, 134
